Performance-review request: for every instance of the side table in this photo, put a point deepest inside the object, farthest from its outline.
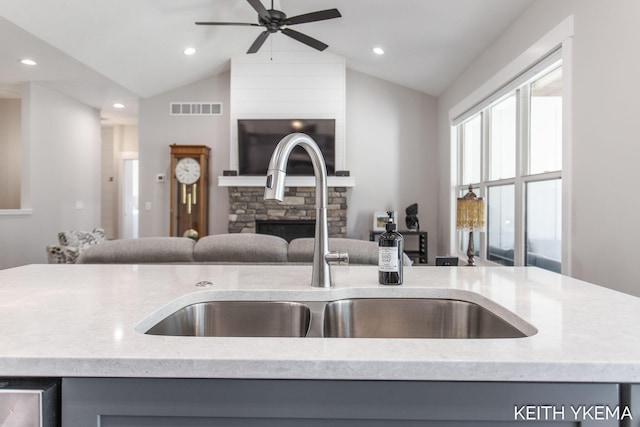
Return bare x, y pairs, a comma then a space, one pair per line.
419, 255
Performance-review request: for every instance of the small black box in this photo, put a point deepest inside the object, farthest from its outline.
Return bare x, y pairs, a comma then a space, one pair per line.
229, 173
446, 261
342, 173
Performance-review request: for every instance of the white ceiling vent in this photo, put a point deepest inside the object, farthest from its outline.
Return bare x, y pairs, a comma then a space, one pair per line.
195, 108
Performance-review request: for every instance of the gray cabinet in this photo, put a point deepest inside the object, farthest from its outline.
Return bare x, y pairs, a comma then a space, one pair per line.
114, 402
631, 398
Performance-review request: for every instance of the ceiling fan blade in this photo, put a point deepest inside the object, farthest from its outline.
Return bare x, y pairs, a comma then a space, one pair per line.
257, 44
229, 23
320, 15
259, 7
303, 38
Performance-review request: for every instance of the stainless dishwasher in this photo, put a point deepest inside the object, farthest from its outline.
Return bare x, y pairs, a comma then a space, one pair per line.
27, 402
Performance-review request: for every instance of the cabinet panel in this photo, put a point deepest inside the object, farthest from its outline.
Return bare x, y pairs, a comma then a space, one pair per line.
279, 422
631, 398
192, 402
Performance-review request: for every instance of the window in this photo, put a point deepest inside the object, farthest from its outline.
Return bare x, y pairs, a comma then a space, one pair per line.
545, 135
502, 141
471, 149
543, 228
501, 224
510, 148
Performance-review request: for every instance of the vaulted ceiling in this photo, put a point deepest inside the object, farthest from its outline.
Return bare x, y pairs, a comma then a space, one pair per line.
106, 51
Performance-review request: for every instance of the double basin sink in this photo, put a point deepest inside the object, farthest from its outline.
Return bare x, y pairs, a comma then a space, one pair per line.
345, 318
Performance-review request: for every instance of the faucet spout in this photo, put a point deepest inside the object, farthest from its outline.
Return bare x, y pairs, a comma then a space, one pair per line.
274, 190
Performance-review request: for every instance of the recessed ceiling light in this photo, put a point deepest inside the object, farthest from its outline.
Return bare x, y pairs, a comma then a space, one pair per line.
189, 51
28, 61
378, 51
118, 105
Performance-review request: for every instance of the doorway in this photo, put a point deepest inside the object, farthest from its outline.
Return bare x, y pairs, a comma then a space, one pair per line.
129, 211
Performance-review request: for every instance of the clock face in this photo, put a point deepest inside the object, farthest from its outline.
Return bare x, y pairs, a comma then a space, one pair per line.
187, 170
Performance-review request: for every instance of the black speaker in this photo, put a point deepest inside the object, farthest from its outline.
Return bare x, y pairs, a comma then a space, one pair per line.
229, 173
446, 261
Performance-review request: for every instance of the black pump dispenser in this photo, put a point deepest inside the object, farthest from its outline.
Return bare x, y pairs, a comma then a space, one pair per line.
390, 250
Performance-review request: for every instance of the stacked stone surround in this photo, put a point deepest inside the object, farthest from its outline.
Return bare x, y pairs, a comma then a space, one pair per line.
247, 204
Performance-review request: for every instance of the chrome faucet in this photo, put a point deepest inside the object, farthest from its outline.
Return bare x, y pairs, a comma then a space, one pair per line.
274, 190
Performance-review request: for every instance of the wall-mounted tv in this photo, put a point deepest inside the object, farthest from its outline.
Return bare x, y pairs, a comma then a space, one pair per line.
257, 139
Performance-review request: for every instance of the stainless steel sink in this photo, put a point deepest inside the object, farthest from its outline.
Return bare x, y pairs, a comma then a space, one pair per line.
413, 318
237, 319
347, 318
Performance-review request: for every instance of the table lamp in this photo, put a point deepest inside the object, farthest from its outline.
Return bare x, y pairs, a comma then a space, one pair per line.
470, 217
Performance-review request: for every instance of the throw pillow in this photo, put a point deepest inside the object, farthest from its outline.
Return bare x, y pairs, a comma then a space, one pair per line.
82, 239
62, 254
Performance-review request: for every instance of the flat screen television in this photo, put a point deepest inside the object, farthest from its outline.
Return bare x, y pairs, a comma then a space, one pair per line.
257, 139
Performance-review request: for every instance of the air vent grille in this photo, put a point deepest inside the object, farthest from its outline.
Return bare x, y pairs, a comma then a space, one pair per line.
195, 108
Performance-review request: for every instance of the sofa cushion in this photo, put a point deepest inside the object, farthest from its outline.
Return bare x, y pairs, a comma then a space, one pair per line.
240, 247
143, 250
360, 251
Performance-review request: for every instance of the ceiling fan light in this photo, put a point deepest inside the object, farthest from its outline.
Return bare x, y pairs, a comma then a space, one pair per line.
189, 51
118, 105
378, 51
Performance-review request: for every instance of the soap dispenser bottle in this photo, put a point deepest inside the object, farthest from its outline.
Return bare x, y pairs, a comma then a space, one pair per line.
390, 252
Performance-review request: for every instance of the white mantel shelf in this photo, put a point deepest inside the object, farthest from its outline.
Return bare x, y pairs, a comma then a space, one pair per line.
291, 181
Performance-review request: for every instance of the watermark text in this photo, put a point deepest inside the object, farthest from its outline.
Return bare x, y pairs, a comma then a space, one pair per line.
571, 413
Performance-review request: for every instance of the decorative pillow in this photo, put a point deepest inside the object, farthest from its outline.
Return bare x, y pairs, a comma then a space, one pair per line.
82, 239
62, 254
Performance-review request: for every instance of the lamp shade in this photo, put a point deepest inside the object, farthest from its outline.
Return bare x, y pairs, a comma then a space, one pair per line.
470, 212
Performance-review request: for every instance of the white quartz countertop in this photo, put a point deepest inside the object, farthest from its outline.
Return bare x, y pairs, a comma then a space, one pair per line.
84, 321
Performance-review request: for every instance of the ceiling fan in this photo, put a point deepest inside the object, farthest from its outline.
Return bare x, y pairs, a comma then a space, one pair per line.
274, 20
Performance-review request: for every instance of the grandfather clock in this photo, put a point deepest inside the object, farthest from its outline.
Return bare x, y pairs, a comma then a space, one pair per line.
189, 191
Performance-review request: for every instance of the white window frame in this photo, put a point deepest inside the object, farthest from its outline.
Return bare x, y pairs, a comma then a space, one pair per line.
519, 71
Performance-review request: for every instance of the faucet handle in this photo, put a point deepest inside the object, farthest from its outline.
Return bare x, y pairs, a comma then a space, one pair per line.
339, 258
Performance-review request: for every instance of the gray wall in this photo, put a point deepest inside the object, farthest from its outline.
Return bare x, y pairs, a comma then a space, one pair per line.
604, 171
157, 130
60, 175
390, 150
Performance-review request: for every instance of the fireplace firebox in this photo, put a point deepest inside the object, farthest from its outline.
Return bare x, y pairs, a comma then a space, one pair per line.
287, 229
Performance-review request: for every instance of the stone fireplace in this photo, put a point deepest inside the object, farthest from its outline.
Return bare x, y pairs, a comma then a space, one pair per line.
247, 205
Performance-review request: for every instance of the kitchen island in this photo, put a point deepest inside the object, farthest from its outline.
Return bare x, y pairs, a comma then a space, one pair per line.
86, 323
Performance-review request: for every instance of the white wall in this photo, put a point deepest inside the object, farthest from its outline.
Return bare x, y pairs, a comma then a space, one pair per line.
301, 84
157, 130
61, 172
10, 148
604, 159
392, 153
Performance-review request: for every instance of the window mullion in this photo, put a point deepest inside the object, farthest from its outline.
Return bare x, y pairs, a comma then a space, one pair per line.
459, 141
522, 143
484, 176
